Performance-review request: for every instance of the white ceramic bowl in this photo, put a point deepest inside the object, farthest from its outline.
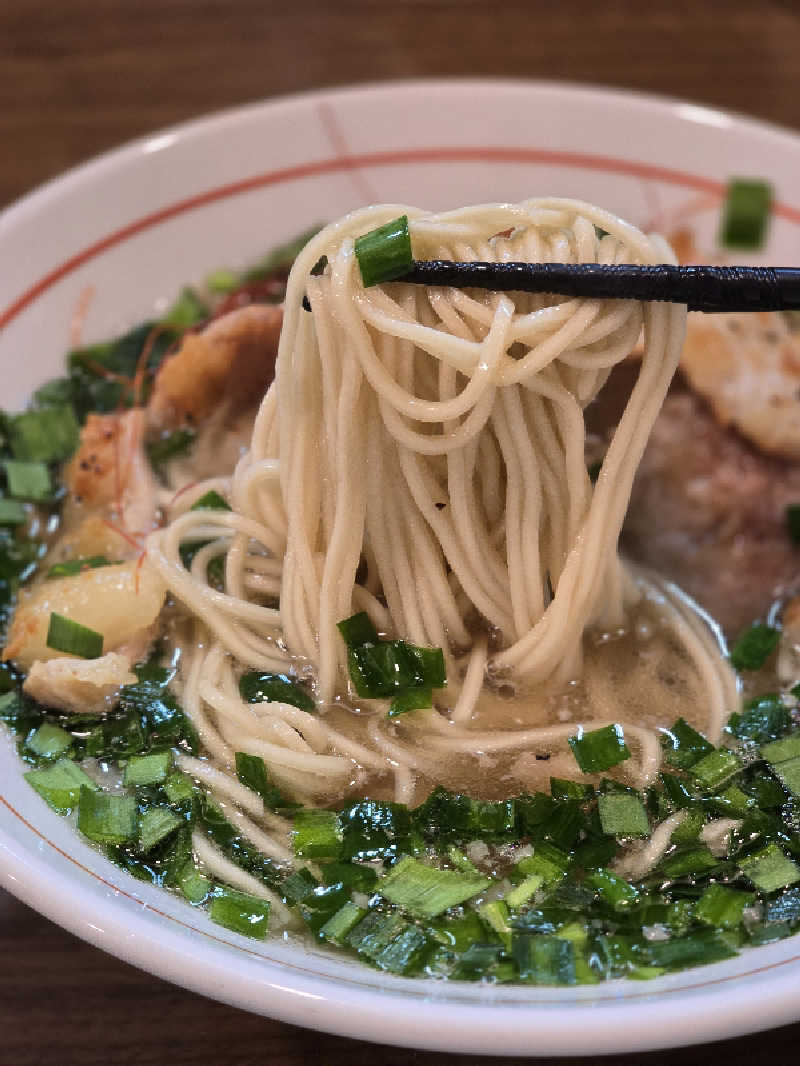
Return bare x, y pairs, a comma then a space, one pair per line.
138, 223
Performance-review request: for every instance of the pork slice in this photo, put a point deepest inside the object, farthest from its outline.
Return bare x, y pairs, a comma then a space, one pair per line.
708, 511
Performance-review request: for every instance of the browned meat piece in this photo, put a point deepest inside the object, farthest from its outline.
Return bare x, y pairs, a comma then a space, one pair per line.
232, 360
709, 512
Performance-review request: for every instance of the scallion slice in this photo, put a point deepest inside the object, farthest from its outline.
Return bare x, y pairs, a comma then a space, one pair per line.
28, 480
413, 699
425, 891
258, 687
12, 513
46, 435
342, 922
61, 784
544, 959
252, 772
149, 769
746, 213
358, 629
612, 888
384, 253
107, 818
71, 567
317, 834
722, 907
240, 912
600, 749
67, 635
155, 825
780, 751
211, 501
178, 787
754, 647
622, 815
194, 885
683, 745
496, 916
714, 769
49, 741
770, 869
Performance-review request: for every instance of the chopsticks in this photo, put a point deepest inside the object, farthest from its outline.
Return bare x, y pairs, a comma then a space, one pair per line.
703, 288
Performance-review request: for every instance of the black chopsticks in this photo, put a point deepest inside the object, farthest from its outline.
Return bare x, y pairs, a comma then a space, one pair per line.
703, 288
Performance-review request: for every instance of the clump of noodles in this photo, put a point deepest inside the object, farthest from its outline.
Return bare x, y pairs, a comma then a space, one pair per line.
420, 456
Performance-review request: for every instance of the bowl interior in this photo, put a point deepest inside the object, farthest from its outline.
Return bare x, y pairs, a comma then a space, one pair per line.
120, 237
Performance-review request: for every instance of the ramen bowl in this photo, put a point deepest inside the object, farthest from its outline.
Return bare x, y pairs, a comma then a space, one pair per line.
119, 237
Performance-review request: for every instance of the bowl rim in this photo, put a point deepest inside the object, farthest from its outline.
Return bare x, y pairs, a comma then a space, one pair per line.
416, 1022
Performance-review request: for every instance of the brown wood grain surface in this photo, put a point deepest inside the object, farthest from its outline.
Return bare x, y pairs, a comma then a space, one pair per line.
81, 76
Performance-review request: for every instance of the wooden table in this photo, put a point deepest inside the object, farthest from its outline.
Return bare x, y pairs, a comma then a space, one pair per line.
81, 76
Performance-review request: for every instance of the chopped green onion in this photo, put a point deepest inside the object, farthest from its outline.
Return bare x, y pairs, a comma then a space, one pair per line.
61, 784
195, 886
677, 953
187, 311
155, 824
178, 787
770, 869
343, 921
67, 635
732, 802
561, 789
495, 914
780, 751
388, 940
793, 522
257, 687
746, 213
762, 719
754, 647
240, 912
684, 746
12, 513
391, 666
461, 861
211, 501
252, 772
222, 282
544, 959
789, 773
547, 862
384, 253
524, 891
687, 862
622, 815
77, 566
28, 480
716, 768
106, 818
49, 741
352, 875
689, 829
48, 435
149, 769
413, 699
425, 891
358, 629
612, 888
593, 470
600, 749
722, 907
317, 834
